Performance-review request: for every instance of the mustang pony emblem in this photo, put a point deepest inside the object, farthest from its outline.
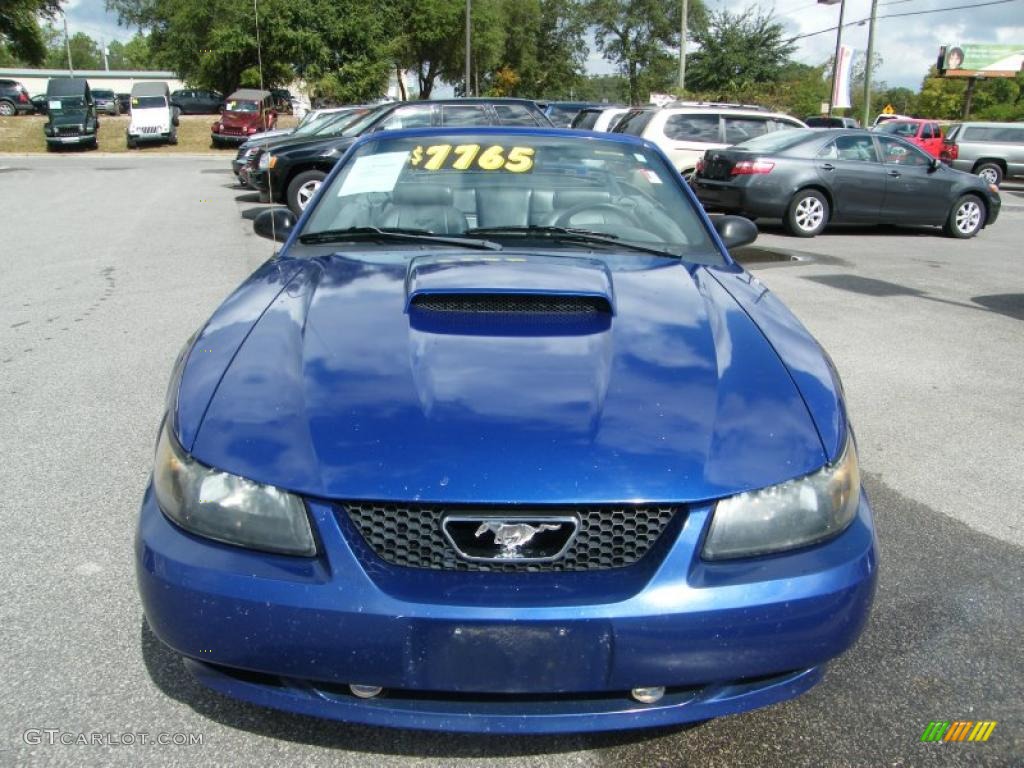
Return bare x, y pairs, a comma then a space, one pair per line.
511, 536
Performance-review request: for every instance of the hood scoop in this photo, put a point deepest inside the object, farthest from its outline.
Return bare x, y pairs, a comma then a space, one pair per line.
515, 295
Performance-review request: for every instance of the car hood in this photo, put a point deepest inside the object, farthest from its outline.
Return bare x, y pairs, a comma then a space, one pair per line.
303, 147
377, 380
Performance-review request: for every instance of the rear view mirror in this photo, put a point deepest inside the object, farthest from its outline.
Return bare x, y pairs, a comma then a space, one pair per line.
275, 224
735, 231
935, 164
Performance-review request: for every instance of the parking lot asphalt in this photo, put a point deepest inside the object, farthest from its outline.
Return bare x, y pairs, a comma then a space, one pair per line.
109, 264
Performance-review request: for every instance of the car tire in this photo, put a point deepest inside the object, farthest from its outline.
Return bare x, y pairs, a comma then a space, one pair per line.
131, 144
966, 218
173, 138
807, 213
7, 109
302, 188
991, 173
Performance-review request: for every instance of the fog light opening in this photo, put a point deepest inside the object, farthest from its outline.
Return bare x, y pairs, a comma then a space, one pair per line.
366, 691
648, 695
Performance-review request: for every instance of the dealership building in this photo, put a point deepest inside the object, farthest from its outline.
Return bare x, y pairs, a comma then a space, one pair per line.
117, 80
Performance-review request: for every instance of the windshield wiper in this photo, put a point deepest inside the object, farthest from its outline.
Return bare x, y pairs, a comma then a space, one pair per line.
572, 235
394, 233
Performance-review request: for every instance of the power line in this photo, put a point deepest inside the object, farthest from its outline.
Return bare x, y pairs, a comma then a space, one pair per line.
905, 13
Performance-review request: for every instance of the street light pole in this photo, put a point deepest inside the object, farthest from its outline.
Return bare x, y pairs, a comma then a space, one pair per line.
867, 65
468, 33
682, 50
839, 45
67, 45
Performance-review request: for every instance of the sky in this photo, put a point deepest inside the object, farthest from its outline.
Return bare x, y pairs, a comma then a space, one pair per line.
907, 45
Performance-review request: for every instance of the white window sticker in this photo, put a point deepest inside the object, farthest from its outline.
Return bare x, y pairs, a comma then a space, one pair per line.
374, 173
54, 103
652, 176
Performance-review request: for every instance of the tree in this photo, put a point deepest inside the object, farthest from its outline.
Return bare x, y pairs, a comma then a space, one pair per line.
135, 54
431, 39
339, 46
20, 33
738, 51
637, 36
85, 52
544, 50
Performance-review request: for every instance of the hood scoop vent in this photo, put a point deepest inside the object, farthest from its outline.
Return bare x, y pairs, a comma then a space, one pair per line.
551, 305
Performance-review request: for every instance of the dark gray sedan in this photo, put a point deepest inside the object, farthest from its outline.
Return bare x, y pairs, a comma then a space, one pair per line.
812, 178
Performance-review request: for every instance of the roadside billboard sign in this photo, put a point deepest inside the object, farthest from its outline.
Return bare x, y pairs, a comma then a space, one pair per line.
980, 60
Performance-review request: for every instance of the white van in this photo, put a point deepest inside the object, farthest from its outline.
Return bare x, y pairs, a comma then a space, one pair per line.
153, 118
685, 130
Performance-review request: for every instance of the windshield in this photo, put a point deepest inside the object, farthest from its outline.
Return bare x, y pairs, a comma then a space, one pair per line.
777, 141
103, 94
68, 104
360, 124
509, 187
242, 106
337, 124
907, 130
148, 102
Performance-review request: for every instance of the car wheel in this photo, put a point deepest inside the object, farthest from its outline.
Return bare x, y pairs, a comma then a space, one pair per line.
807, 214
991, 173
7, 109
173, 138
966, 218
302, 189
130, 143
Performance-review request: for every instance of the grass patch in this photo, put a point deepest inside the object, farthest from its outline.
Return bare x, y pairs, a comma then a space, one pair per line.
24, 134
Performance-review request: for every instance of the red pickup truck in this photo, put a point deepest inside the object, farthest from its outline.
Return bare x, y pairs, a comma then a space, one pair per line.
927, 134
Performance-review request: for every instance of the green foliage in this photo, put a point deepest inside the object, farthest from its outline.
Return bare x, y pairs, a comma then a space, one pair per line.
638, 35
613, 89
21, 37
85, 52
543, 51
135, 54
738, 52
339, 46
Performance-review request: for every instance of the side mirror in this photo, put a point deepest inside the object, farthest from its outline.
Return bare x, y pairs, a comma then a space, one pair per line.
735, 231
275, 224
934, 165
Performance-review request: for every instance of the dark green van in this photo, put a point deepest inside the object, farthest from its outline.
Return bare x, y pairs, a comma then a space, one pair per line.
71, 113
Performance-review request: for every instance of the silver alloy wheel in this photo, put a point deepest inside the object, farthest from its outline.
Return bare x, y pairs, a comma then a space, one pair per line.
7, 109
305, 193
989, 176
968, 217
809, 214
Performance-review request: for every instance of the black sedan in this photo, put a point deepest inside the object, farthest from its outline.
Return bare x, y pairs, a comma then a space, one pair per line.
812, 178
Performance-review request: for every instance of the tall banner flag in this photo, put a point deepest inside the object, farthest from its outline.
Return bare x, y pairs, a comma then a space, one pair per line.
841, 92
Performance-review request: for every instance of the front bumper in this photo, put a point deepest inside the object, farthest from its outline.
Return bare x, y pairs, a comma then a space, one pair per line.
154, 137
228, 138
541, 652
70, 141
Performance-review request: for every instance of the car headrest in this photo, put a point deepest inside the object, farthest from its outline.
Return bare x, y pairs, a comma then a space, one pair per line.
570, 198
422, 194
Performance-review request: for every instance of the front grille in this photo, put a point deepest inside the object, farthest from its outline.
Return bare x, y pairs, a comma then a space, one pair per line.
149, 129
411, 536
232, 131
511, 304
68, 130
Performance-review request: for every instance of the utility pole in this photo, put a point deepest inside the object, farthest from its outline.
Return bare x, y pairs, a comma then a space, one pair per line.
468, 34
867, 66
682, 50
67, 45
103, 47
839, 44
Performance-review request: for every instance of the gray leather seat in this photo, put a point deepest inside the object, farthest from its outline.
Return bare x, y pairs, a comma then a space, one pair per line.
424, 206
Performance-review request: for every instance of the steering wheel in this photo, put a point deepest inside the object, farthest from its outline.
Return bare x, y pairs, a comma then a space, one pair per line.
617, 217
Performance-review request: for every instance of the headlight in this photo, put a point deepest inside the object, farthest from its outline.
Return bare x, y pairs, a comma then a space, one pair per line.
792, 514
225, 507
266, 161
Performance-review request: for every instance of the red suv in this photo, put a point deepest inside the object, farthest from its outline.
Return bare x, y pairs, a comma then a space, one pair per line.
927, 134
14, 98
246, 111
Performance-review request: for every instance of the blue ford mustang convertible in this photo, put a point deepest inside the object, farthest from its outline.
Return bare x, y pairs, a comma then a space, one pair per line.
504, 440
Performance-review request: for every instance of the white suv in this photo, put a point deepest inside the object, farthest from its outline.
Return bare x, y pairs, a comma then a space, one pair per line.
685, 130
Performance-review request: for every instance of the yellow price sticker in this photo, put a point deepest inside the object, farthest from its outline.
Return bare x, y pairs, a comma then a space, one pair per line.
472, 157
